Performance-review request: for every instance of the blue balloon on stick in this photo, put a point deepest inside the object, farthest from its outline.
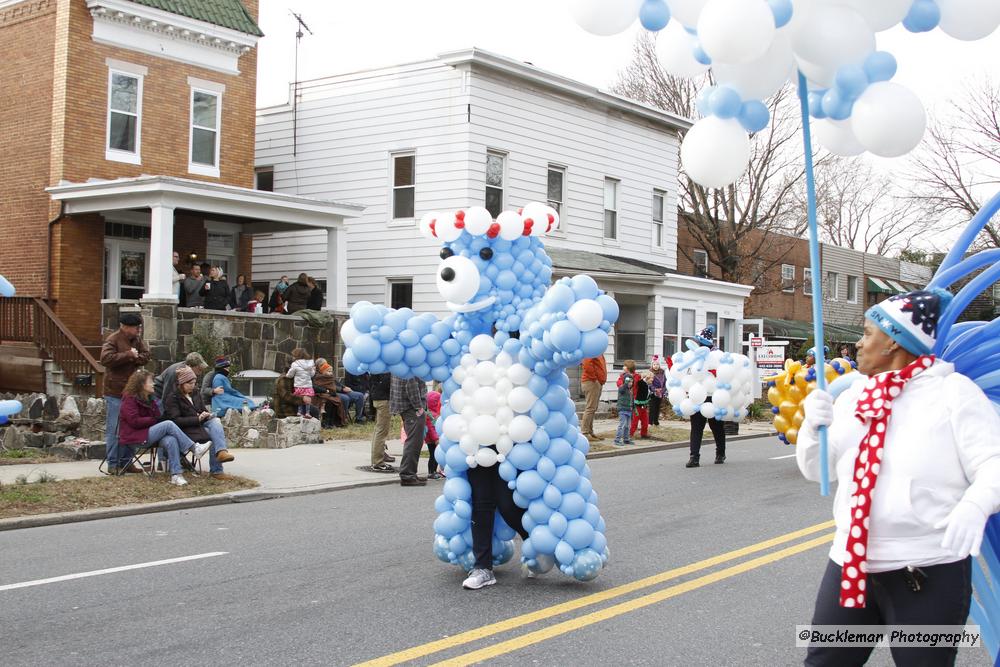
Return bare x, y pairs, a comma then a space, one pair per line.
924, 16
754, 116
654, 15
851, 81
880, 66
782, 10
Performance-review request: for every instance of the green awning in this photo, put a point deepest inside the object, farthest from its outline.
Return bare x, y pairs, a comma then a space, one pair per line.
779, 329
881, 286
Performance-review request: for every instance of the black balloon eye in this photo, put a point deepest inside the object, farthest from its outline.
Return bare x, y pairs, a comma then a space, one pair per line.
486, 254
446, 253
447, 274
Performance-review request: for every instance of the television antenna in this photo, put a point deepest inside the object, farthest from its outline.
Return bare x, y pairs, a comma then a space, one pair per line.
295, 94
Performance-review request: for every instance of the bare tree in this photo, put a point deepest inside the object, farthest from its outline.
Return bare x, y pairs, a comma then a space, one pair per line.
734, 224
959, 164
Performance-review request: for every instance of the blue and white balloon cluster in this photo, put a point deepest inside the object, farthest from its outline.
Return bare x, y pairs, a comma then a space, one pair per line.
754, 47
717, 384
8, 408
505, 398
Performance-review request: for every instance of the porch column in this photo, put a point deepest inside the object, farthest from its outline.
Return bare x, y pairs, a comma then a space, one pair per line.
336, 268
161, 251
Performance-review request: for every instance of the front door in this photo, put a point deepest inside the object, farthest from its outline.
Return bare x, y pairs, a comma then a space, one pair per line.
126, 269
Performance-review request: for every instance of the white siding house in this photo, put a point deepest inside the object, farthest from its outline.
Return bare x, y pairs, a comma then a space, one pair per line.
474, 128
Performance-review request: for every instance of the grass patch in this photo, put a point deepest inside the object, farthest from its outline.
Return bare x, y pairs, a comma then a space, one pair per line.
12, 457
658, 434
80, 494
363, 431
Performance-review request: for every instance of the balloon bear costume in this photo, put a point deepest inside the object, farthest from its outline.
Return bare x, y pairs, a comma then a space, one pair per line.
501, 358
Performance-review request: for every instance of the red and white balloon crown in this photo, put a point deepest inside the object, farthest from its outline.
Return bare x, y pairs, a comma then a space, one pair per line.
533, 220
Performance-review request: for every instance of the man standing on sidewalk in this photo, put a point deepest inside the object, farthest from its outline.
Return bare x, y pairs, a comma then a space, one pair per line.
595, 374
407, 398
123, 353
378, 392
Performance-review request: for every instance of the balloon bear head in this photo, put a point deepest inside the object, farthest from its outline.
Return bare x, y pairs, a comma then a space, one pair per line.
492, 271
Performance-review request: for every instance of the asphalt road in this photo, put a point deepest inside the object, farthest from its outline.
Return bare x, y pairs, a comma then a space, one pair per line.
347, 577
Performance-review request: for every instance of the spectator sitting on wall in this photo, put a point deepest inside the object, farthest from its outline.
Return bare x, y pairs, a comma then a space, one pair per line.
297, 294
315, 296
184, 407
239, 296
192, 288
327, 399
178, 280
216, 290
286, 403
123, 353
349, 396
228, 398
166, 382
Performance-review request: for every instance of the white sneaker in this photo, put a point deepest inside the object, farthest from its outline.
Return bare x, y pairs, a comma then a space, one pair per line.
201, 448
479, 579
526, 571
178, 480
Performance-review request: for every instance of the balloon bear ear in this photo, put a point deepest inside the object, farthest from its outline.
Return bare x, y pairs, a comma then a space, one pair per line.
539, 219
428, 225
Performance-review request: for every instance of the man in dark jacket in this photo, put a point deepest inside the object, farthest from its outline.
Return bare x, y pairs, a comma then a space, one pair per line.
378, 393
185, 408
166, 382
315, 296
297, 294
122, 354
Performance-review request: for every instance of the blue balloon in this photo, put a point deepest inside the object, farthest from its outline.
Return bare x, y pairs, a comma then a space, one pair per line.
457, 488
924, 16
754, 116
816, 103
579, 534
584, 286
573, 505
559, 451
566, 479
508, 472
700, 55
539, 511
519, 499
530, 484
782, 10
558, 524
359, 306
552, 497
451, 347
880, 66
594, 343
701, 102
409, 338
366, 348
587, 565
386, 333
415, 356
654, 15
457, 545
609, 307
442, 504
546, 468
564, 552
463, 509
441, 548
6, 289
851, 81
351, 363
565, 336
591, 515
502, 530
555, 425
835, 106
366, 318
543, 540
524, 456
600, 542
559, 298
725, 102
540, 441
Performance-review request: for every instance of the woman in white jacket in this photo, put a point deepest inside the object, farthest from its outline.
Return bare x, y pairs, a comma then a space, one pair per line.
916, 450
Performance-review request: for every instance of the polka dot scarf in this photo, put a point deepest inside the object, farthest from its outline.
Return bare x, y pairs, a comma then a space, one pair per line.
874, 408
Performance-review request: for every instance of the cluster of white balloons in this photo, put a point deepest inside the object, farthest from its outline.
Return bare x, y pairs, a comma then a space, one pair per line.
717, 384
755, 47
492, 405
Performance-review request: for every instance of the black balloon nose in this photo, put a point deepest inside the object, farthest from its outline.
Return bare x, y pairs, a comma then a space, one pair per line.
447, 274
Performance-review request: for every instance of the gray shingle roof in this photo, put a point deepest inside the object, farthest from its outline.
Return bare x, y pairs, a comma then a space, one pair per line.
581, 260
226, 13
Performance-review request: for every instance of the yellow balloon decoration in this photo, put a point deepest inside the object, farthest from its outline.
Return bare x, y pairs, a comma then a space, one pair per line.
787, 390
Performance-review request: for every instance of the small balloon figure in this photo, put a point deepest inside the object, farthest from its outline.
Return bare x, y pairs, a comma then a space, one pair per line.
717, 384
787, 391
501, 357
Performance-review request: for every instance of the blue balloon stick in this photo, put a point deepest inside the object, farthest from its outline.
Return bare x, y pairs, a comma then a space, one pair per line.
817, 290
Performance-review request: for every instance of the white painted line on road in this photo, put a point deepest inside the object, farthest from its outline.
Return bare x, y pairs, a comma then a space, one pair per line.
110, 570
778, 458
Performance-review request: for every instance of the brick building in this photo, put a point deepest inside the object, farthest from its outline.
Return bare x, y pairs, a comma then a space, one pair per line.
128, 132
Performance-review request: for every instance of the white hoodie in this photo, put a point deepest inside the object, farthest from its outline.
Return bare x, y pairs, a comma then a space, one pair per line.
942, 446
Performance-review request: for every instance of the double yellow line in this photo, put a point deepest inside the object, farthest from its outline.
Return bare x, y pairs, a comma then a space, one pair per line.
603, 596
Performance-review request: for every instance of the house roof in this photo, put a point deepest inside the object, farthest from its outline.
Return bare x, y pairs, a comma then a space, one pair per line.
226, 13
581, 260
798, 330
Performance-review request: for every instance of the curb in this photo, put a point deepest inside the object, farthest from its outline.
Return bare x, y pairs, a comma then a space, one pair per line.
253, 495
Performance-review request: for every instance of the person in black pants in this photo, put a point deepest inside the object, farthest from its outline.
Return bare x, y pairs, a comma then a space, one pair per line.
706, 339
489, 495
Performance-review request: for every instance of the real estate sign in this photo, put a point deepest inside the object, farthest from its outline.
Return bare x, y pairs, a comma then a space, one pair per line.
770, 358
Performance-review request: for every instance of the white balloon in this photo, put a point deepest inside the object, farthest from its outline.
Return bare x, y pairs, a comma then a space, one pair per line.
969, 20
468, 444
604, 18
715, 152
721, 398
468, 414
697, 393
482, 347
504, 445
504, 360
817, 77
714, 357
485, 400
708, 410
761, 78
709, 384
459, 399
686, 11
485, 372
454, 427
888, 119
445, 227
486, 457
459, 374
585, 314
503, 386
519, 374
511, 225
675, 395
348, 332
539, 218
522, 428
485, 429
468, 361
688, 407
675, 49
688, 381
504, 417
521, 399
831, 35
470, 384
881, 14
736, 31
477, 220
726, 373
837, 137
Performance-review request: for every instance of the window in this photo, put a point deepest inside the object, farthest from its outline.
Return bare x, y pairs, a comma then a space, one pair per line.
610, 208
264, 179
678, 324
700, 259
726, 334
400, 293
555, 188
713, 319
630, 330
852, 289
807, 286
206, 114
832, 287
659, 196
787, 278
124, 116
404, 185
496, 165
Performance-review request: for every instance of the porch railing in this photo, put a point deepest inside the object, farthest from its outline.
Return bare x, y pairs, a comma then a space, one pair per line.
25, 319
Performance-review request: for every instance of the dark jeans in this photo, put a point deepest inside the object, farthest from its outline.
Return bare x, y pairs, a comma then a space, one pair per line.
698, 422
414, 427
432, 464
489, 494
654, 410
943, 599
